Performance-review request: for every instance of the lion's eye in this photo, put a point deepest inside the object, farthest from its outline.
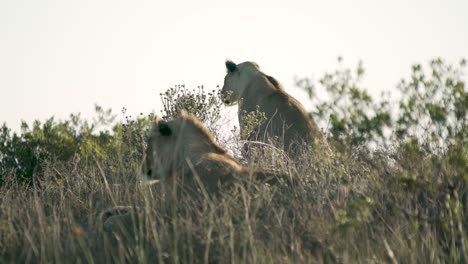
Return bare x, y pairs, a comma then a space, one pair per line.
164, 129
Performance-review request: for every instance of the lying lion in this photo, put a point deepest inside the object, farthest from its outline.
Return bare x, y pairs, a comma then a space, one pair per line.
183, 151
287, 125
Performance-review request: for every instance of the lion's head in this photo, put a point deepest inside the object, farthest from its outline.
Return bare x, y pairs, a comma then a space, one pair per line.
171, 144
237, 79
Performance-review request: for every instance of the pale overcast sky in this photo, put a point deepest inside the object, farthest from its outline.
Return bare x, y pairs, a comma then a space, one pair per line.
59, 56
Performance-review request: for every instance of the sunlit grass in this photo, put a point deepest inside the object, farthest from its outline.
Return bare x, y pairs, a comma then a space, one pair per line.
345, 210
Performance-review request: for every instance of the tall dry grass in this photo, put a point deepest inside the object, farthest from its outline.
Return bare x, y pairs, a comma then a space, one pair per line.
356, 208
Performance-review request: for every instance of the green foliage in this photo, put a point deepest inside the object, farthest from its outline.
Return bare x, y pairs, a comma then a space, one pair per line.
432, 115
433, 107
25, 154
357, 213
351, 115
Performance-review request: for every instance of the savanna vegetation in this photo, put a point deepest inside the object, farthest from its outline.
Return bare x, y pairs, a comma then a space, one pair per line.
395, 191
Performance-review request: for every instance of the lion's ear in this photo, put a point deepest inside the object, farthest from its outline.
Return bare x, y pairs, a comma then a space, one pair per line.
164, 129
231, 66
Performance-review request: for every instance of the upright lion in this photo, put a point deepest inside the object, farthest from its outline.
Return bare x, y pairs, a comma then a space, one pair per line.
182, 151
287, 124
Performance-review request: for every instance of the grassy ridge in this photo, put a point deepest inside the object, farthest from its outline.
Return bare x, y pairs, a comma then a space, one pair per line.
395, 192
350, 210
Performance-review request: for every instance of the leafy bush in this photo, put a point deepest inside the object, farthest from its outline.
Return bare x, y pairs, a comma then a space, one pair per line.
25, 154
351, 116
431, 114
433, 108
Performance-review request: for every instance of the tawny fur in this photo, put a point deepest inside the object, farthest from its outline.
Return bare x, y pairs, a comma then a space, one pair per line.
190, 151
287, 126
187, 152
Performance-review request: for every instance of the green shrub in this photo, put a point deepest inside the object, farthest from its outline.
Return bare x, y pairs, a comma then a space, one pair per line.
25, 154
431, 116
351, 115
433, 107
